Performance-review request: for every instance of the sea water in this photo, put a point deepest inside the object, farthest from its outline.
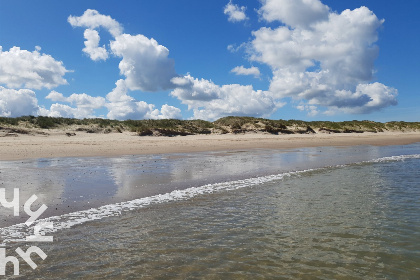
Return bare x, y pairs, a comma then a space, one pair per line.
327, 213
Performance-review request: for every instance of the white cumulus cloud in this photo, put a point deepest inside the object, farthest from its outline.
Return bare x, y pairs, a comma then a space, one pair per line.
85, 105
168, 112
378, 96
210, 101
320, 57
295, 13
61, 111
311, 109
241, 70
22, 68
234, 12
193, 91
238, 100
80, 100
121, 106
16, 103
144, 62
92, 47
92, 19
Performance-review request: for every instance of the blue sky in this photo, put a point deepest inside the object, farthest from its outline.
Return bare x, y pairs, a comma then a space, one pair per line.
289, 59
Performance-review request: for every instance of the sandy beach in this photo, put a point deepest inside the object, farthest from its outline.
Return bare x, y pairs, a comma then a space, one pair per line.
58, 144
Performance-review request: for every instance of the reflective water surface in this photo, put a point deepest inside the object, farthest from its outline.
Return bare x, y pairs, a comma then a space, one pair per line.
357, 221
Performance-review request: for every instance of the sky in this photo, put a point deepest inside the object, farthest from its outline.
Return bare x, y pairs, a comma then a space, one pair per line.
189, 59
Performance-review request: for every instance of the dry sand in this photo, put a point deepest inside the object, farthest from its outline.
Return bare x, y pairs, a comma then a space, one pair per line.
57, 144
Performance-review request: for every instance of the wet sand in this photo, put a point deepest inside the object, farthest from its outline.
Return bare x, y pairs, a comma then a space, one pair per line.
72, 184
57, 144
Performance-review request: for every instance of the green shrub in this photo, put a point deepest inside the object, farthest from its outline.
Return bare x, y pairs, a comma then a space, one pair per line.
45, 122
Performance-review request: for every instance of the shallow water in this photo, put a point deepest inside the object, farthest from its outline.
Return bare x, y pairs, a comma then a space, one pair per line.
359, 220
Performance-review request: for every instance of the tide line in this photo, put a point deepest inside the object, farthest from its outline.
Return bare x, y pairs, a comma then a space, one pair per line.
19, 232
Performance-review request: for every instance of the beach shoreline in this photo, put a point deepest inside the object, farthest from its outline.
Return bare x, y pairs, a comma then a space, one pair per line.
58, 144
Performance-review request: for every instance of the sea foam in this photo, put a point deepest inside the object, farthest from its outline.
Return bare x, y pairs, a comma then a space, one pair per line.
19, 232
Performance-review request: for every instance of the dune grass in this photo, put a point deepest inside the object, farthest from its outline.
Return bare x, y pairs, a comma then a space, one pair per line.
231, 124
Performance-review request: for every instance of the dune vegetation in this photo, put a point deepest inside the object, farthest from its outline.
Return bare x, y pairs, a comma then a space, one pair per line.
174, 127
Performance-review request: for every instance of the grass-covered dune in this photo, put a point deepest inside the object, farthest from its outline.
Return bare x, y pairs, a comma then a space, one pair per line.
173, 127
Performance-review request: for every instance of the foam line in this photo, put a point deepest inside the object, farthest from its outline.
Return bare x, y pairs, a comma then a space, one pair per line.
19, 232
395, 158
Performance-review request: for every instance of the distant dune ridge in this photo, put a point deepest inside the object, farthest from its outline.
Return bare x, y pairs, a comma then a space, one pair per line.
44, 137
171, 127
